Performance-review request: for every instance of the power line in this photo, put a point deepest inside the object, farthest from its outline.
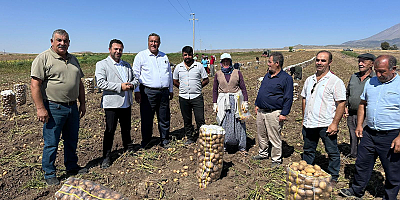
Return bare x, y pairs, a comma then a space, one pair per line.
182, 6
176, 10
189, 6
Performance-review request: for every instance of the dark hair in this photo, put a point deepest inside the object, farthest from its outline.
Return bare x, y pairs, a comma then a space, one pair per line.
115, 41
325, 51
60, 32
188, 50
391, 60
154, 34
277, 57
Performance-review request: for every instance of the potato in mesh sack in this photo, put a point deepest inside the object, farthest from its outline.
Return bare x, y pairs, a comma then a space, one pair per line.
304, 181
210, 154
75, 188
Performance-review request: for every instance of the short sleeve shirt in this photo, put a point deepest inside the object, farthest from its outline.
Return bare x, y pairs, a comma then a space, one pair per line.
321, 99
60, 77
383, 103
189, 79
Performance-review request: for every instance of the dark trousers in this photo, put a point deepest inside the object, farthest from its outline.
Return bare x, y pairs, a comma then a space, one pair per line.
154, 101
112, 117
311, 137
374, 144
352, 124
197, 106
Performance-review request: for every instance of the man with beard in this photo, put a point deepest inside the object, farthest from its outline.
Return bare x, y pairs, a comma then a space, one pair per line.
324, 96
190, 77
55, 85
273, 104
380, 106
153, 69
353, 91
115, 77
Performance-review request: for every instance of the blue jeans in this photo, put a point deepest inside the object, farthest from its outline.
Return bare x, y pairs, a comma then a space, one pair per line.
63, 119
311, 137
374, 144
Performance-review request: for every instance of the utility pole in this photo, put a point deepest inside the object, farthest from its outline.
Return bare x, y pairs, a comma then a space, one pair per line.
193, 19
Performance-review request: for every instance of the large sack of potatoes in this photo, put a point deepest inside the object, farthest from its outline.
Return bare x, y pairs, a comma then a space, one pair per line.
306, 181
75, 188
210, 152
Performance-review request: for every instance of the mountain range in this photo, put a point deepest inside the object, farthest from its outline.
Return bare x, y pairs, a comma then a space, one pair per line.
390, 35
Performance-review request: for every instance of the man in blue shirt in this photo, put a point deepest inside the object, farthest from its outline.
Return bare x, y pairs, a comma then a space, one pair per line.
273, 104
380, 101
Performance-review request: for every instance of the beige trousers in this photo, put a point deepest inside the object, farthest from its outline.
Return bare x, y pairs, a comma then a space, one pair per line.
269, 129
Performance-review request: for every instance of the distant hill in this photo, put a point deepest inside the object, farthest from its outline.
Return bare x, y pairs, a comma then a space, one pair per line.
390, 35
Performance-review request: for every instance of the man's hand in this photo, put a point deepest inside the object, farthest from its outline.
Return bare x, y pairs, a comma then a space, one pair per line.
42, 115
396, 145
359, 131
171, 95
332, 129
82, 110
256, 109
138, 97
346, 112
126, 86
282, 118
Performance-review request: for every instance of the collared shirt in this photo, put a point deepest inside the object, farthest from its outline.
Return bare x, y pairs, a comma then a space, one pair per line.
61, 78
354, 90
153, 70
123, 73
321, 102
190, 79
383, 103
276, 93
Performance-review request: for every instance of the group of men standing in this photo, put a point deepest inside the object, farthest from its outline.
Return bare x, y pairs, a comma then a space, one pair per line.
370, 103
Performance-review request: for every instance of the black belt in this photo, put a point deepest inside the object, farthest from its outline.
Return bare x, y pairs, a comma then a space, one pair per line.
70, 103
266, 110
163, 88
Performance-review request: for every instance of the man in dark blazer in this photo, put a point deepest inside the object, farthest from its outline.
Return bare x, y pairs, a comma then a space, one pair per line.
116, 78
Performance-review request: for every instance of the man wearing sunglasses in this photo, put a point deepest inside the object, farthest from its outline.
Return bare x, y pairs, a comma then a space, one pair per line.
324, 96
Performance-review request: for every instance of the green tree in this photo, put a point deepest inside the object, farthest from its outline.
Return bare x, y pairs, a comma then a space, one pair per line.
290, 49
394, 47
385, 45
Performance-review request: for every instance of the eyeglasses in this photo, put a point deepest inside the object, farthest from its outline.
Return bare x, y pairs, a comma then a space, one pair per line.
312, 90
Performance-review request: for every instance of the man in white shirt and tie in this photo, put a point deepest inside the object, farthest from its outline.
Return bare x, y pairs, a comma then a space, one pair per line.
117, 80
153, 70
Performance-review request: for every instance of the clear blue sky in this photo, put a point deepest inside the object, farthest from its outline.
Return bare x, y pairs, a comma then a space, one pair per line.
26, 26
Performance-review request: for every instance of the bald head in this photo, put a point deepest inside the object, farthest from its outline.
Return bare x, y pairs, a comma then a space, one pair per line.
385, 68
387, 60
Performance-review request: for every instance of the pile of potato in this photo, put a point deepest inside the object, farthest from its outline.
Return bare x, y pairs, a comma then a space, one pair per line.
210, 154
20, 93
8, 103
89, 85
75, 188
306, 181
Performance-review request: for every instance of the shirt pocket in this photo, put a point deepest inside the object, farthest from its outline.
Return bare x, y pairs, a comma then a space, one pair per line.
392, 98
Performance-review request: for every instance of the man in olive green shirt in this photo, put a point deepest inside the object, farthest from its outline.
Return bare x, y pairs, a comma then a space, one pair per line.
55, 85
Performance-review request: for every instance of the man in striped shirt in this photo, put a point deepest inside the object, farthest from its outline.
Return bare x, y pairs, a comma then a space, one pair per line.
323, 103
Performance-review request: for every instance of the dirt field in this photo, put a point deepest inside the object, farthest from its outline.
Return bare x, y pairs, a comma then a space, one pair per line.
149, 174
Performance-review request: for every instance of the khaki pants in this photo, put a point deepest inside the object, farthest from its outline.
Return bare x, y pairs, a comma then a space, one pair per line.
269, 129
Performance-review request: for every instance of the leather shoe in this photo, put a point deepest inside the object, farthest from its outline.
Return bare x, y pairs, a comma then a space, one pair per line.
52, 181
79, 170
258, 157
